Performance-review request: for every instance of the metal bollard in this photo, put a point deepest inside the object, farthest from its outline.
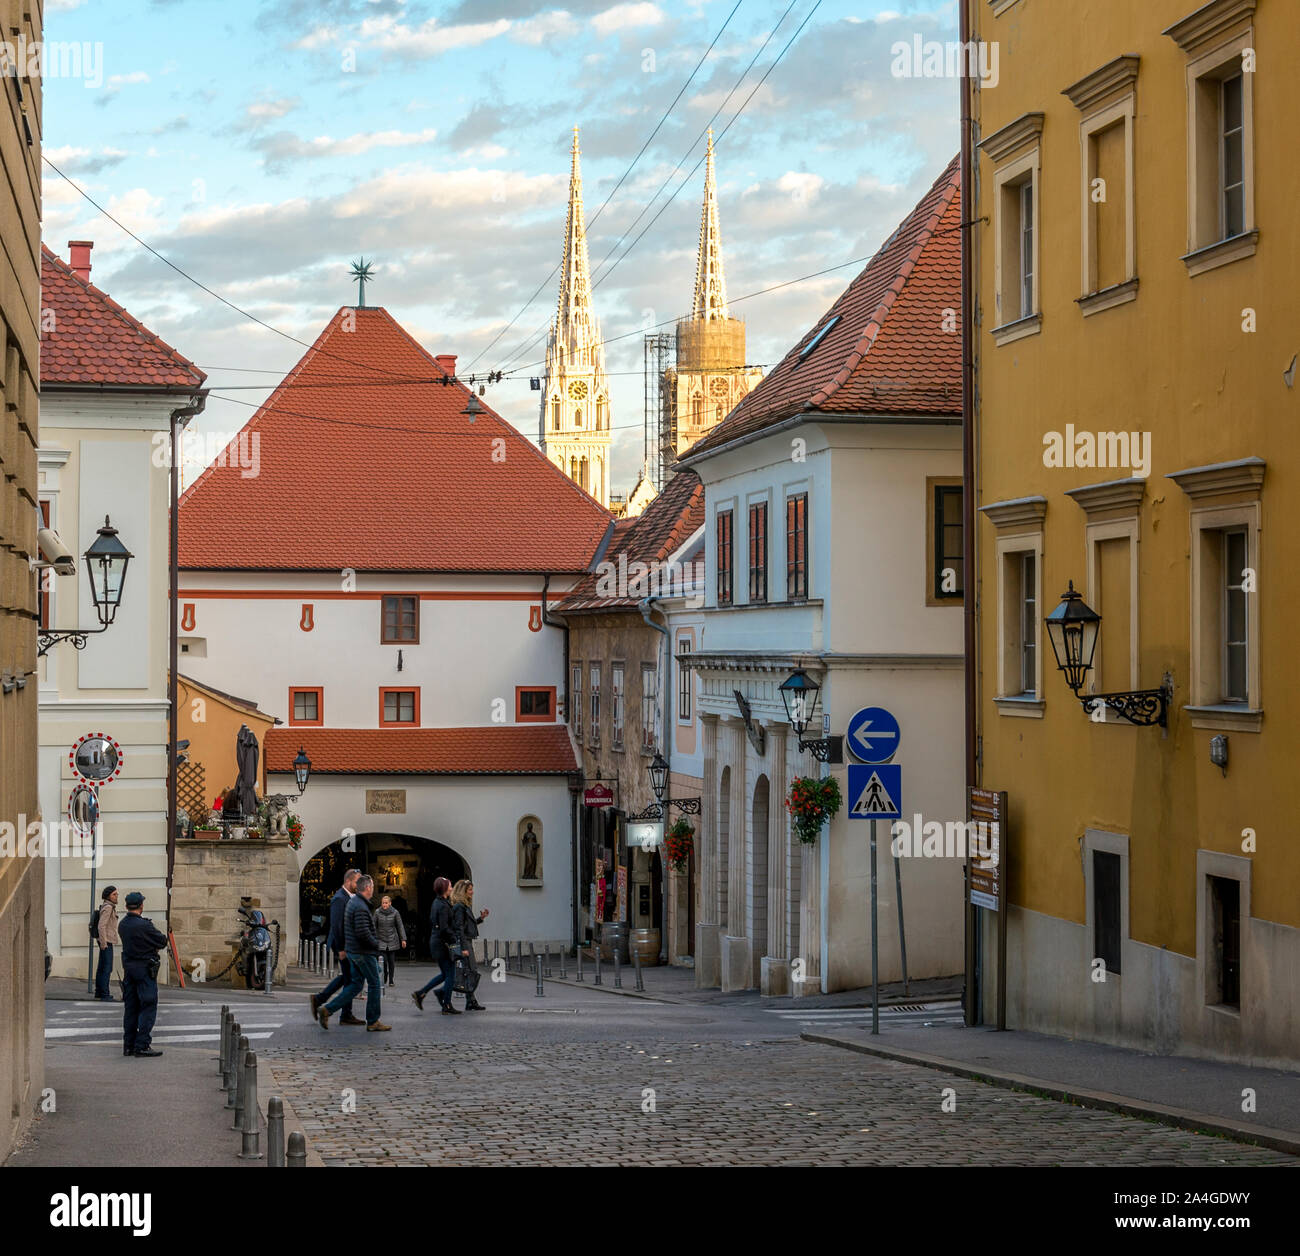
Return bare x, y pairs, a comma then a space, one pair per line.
241, 1081
532, 955
618, 968
251, 1129
564, 950
496, 947
232, 1068
225, 1046
578, 952
537, 964
636, 963
596, 952
275, 1132
297, 1157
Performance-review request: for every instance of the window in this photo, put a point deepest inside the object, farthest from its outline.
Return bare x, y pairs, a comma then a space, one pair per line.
399, 706
684, 646
1106, 927
818, 338
1233, 630
1026, 228
1028, 600
1019, 573
1225, 941
1219, 42
945, 533
616, 702
796, 547
758, 552
307, 706
649, 706
555, 415
534, 706
1014, 151
575, 699
401, 624
595, 704
725, 553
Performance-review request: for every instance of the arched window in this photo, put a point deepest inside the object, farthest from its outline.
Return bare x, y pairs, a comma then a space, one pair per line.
582, 474
600, 412
555, 414
577, 417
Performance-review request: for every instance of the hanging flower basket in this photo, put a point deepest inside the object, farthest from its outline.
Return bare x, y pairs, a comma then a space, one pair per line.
812, 801
295, 832
679, 844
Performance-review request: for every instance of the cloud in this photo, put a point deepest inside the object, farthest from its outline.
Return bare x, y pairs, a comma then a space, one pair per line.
73, 160
283, 147
270, 109
387, 35
627, 16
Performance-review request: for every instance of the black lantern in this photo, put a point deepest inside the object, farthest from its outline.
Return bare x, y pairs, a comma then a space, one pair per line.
106, 563
301, 769
658, 770
800, 693
1072, 629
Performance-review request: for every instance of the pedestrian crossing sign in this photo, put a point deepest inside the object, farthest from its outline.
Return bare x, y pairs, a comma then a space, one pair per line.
876, 791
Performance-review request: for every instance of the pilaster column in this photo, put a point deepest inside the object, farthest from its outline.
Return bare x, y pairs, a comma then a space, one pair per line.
708, 843
778, 846
738, 839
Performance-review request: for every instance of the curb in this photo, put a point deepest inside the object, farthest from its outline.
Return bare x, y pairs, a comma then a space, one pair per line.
1178, 1118
292, 1124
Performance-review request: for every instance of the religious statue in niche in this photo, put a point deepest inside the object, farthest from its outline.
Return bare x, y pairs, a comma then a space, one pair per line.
530, 851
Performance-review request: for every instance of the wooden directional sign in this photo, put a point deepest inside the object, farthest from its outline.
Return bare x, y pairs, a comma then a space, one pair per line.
988, 813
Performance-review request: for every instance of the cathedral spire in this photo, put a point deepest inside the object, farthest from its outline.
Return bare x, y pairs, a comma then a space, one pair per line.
576, 334
710, 282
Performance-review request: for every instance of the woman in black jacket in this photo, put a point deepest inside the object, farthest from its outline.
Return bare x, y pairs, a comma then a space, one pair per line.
467, 923
443, 941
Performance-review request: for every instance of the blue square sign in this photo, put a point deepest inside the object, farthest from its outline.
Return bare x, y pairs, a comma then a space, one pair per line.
875, 791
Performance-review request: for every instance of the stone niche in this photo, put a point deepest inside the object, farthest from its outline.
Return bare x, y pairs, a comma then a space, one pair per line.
209, 882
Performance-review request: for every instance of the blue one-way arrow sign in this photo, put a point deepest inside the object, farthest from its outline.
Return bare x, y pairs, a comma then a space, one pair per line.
873, 735
875, 791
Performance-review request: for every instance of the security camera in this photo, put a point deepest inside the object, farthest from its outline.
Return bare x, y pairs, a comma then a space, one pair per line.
55, 554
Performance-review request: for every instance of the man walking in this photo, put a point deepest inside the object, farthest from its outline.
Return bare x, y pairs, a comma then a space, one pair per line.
107, 936
141, 943
361, 942
334, 939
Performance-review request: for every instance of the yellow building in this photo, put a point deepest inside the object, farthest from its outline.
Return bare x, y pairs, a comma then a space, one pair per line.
1136, 430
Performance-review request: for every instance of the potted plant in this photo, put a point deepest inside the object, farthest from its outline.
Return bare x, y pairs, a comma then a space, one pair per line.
207, 832
679, 843
812, 801
295, 832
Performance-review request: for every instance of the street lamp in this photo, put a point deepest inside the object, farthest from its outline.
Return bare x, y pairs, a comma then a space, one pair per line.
800, 693
106, 563
658, 770
301, 770
1073, 628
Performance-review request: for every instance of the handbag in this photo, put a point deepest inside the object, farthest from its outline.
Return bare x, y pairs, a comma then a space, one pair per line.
466, 980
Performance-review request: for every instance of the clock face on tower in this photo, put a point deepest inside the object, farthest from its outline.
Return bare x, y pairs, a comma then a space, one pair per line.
578, 390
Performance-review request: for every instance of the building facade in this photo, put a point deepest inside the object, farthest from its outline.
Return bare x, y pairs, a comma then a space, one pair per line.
823, 489
21, 875
574, 427
1134, 296
403, 636
109, 387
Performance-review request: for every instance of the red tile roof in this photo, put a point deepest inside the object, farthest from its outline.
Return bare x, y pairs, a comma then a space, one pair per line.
888, 353
501, 750
93, 340
366, 461
665, 525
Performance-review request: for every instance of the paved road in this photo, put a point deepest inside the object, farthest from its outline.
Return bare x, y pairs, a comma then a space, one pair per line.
583, 1077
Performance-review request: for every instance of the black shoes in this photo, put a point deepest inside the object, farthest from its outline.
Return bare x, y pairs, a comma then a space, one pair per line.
348, 1019
448, 1010
315, 998
419, 999
473, 1005
324, 1017
148, 1051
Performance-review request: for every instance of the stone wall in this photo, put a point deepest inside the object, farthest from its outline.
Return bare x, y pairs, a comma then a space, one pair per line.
210, 880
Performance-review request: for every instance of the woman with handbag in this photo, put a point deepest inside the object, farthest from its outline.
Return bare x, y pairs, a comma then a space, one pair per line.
462, 900
443, 941
392, 935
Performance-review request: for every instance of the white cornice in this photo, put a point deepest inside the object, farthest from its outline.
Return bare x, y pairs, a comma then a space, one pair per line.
1112, 79
1109, 495
1197, 29
1244, 477
1001, 144
1015, 511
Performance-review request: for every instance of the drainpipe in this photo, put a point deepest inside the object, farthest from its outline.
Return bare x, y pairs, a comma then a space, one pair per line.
576, 898
645, 606
179, 418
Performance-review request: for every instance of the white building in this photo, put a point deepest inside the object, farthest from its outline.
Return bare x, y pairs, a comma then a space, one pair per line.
109, 387
822, 492
380, 579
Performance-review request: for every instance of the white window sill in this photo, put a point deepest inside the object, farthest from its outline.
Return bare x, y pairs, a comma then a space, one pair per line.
1108, 298
1030, 708
1018, 330
1221, 253
1227, 717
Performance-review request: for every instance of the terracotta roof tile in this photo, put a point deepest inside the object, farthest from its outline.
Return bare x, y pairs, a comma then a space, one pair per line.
93, 340
887, 352
367, 461
537, 750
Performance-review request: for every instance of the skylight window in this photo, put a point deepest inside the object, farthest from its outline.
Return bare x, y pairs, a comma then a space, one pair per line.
817, 339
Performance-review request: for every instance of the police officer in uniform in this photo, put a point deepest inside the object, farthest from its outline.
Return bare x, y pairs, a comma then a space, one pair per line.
141, 943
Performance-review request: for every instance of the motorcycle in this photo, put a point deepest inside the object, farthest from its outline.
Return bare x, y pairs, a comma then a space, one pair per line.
256, 962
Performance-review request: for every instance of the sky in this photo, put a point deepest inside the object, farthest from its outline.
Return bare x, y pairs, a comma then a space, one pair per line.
262, 145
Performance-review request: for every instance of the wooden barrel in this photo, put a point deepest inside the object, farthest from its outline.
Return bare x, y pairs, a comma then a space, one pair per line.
613, 933
645, 942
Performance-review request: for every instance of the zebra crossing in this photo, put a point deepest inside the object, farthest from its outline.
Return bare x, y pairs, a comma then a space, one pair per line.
90, 1023
894, 1015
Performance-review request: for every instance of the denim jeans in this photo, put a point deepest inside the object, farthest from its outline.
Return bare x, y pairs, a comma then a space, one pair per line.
104, 971
342, 981
446, 977
365, 971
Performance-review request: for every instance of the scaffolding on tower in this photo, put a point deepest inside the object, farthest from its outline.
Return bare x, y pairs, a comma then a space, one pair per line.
660, 442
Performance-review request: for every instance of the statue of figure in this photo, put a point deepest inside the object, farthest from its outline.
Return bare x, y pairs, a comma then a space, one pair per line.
532, 846
246, 753
277, 816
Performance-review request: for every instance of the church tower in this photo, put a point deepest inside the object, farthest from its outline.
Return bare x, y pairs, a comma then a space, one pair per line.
574, 425
710, 377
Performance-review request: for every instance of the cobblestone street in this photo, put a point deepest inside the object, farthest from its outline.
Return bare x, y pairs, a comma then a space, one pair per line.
755, 1103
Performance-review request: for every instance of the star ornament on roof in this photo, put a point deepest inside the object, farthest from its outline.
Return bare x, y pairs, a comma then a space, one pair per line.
361, 271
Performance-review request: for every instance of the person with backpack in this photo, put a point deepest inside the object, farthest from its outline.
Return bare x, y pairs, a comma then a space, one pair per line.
103, 928
467, 923
392, 935
445, 944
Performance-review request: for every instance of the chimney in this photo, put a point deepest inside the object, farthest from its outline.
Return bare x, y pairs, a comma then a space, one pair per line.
79, 258
447, 361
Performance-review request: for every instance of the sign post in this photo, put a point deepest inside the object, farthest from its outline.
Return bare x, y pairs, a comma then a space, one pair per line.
986, 876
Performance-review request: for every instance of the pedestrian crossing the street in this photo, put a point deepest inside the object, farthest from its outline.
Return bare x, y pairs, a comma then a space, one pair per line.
894, 1015
94, 1024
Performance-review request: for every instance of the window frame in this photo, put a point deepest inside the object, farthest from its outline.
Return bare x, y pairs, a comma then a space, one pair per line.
935, 486
1099, 841
617, 703
575, 699
319, 721
729, 570
685, 688
1011, 652
1228, 589
650, 703
593, 691
521, 718
384, 691
384, 638
796, 546
1210, 865
1007, 179
757, 571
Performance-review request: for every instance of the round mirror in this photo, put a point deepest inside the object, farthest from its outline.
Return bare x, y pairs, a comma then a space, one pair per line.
83, 809
96, 759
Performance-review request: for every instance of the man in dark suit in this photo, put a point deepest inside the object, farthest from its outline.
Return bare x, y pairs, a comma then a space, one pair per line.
363, 950
337, 943
141, 942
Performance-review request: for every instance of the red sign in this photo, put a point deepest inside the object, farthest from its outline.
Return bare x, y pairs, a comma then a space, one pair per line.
597, 796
